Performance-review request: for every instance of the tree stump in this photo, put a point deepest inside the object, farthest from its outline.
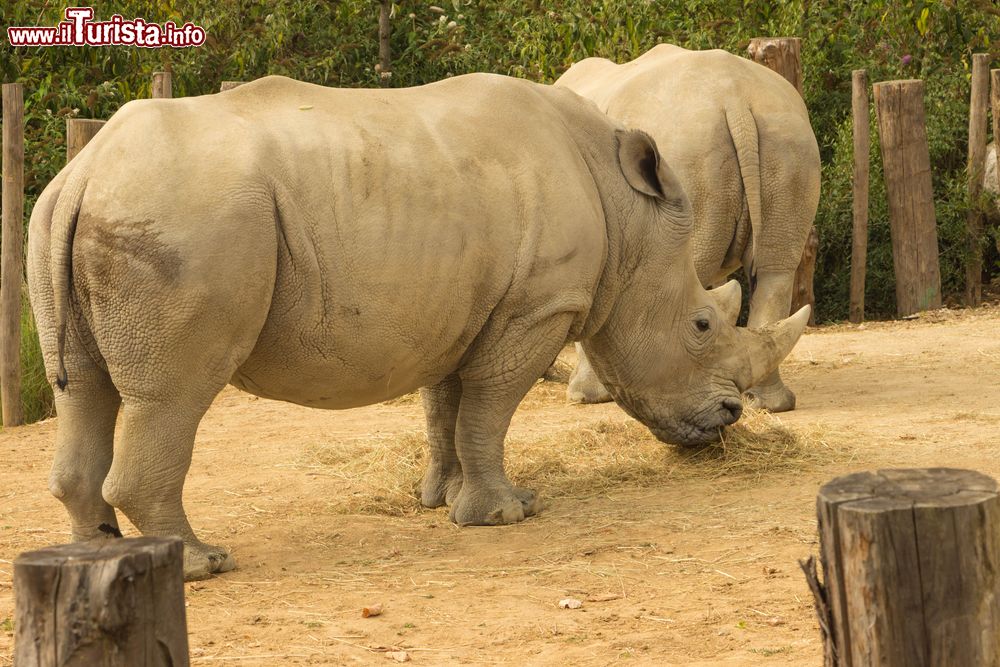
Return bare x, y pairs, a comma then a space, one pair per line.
117, 603
229, 85
79, 132
906, 166
911, 562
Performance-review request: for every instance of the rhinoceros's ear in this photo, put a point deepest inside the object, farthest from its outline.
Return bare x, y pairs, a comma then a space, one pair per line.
640, 162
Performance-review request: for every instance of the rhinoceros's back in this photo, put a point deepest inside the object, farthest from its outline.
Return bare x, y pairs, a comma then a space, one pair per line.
405, 218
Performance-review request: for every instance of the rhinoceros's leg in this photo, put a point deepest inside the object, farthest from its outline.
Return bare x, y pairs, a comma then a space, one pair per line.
147, 475
584, 387
87, 410
494, 381
443, 479
770, 303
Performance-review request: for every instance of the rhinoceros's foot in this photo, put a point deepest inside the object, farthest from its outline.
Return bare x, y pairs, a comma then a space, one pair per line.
203, 560
587, 391
773, 398
493, 506
440, 486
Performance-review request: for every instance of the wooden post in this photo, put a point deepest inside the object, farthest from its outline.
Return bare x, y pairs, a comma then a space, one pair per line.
784, 56
111, 602
384, 46
906, 164
862, 148
79, 132
162, 84
229, 85
995, 103
12, 255
911, 563
977, 162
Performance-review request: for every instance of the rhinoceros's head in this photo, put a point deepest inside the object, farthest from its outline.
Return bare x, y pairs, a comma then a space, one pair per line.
669, 351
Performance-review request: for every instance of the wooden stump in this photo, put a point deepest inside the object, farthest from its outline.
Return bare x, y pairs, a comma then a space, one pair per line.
862, 148
906, 164
784, 56
978, 102
229, 85
12, 259
79, 132
911, 561
108, 602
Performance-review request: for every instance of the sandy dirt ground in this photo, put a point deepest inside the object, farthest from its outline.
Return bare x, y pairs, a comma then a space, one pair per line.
701, 570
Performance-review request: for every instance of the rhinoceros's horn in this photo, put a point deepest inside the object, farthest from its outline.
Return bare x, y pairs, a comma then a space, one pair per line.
730, 300
772, 343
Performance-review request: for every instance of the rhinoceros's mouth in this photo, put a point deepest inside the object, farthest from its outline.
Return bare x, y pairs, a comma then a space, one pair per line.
687, 435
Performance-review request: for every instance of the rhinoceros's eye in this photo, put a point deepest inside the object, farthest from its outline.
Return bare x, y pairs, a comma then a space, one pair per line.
703, 324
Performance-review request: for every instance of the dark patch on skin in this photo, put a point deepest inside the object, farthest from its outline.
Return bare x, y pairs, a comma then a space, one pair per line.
102, 245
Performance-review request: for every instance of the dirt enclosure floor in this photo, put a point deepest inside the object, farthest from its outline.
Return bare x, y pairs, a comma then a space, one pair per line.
679, 558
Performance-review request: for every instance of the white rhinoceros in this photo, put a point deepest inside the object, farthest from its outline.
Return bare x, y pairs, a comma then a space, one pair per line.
737, 136
336, 248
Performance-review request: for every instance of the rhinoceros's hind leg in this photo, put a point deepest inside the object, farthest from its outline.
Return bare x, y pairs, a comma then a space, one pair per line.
772, 395
87, 410
584, 386
147, 475
769, 303
443, 478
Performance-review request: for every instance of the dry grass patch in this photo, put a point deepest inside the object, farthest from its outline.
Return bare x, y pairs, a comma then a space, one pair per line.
382, 474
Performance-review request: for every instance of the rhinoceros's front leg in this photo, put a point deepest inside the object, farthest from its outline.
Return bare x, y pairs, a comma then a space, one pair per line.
443, 478
770, 302
493, 384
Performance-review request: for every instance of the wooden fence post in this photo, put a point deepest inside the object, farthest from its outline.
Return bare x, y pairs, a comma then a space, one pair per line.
911, 563
162, 84
784, 56
112, 602
906, 164
995, 103
384, 44
229, 85
862, 148
79, 132
12, 254
979, 98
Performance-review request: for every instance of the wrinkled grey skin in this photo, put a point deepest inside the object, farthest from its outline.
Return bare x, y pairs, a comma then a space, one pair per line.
738, 137
336, 248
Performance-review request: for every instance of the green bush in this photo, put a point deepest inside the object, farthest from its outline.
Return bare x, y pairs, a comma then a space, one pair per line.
334, 42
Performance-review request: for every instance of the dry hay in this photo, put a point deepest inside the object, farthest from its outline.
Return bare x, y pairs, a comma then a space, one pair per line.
382, 474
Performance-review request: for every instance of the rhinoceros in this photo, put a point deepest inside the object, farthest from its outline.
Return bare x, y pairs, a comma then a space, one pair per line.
738, 137
337, 248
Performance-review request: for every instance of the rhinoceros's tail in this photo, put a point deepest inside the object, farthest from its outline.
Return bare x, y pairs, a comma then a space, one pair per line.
743, 130
63, 227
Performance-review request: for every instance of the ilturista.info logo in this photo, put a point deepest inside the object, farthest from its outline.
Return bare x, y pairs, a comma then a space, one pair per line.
80, 29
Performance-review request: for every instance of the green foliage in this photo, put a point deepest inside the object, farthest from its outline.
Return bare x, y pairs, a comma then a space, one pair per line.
334, 42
